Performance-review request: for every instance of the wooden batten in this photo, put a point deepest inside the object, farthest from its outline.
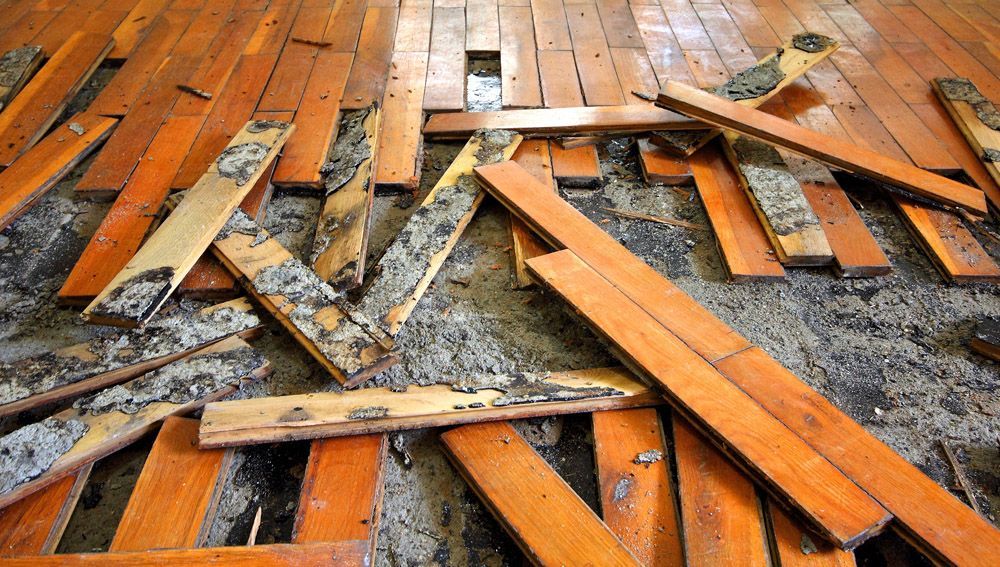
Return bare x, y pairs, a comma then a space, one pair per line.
346, 553
970, 110
535, 157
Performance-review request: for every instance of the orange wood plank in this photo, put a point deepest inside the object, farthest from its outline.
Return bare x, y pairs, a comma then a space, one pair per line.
347, 553
34, 524
883, 20
549, 522
270, 36
635, 74
25, 27
619, 27
444, 88
482, 28
637, 500
288, 81
660, 167
175, 496
790, 542
344, 26
518, 64
413, 32
733, 50
687, 27
367, 81
534, 157
661, 46
561, 88
136, 26
752, 25
950, 21
593, 57
551, 30
399, 144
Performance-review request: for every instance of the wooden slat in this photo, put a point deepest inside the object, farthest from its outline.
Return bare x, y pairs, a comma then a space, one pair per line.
593, 57
139, 289
686, 25
29, 115
34, 524
637, 500
965, 114
534, 157
551, 30
482, 28
269, 37
635, 74
661, 46
18, 66
413, 32
619, 26
344, 26
174, 499
267, 420
400, 150
549, 522
520, 86
37, 171
561, 88
367, 81
795, 547
347, 553
292, 71
660, 167
759, 443
444, 89
136, 26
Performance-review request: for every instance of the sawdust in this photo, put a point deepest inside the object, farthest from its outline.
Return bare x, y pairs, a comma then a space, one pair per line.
241, 161
776, 191
26, 453
136, 298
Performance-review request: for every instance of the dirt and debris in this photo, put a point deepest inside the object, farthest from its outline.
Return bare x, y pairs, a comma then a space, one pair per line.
369, 412
811, 42
988, 331
962, 89
14, 62
350, 150
196, 92
241, 161
776, 191
807, 545
76, 128
752, 82
679, 142
26, 453
991, 155
648, 457
622, 488
258, 126
136, 298
521, 388
241, 223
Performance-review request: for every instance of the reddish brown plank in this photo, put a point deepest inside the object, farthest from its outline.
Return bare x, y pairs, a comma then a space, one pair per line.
661, 46
413, 32
660, 167
399, 144
446, 64
791, 544
34, 524
551, 31
344, 26
593, 57
482, 28
347, 553
367, 81
136, 26
520, 86
292, 71
561, 88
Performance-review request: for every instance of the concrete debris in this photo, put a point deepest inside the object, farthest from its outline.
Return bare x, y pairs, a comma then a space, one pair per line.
14, 62
240, 162
26, 453
648, 457
753, 82
961, 89
349, 151
811, 42
777, 192
530, 388
137, 297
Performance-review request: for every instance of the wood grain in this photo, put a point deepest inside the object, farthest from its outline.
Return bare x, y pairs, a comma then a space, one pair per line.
520, 86
400, 149
533, 156
444, 88
790, 544
34, 524
367, 81
347, 553
561, 88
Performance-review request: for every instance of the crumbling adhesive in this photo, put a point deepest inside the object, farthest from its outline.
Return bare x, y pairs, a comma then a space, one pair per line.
239, 162
136, 298
964, 90
773, 186
530, 389
26, 453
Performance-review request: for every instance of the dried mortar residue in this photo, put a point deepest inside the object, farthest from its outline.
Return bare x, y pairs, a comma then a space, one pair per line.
241, 223
136, 298
811, 42
348, 152
991, 155
241, 161
777, 192
520, 388
622, 488
962, 89
258, 126
14, 62
369, 412
648, 457
179, 382
681, 140
76, 128
753, 82
26, 453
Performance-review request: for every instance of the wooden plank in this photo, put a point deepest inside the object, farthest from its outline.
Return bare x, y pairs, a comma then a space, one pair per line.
34, 524
970, 111
269, 37
533, 156
292, 71
136, 293
357, 412
763, 446
413, 32
102, 423
74, 370
520, 86
746, 252
660, 167
400, 149
344, 26
619, 26
637, 499
316, 122
482, 28
752, 25
827, 149
17, 66
686, 25
661, 46
340, 247
36, 172
551, 30
635, 74
444, 88
722, 519
27, 118
409, 264
347, 553
367, 81
795, 547
561, 88
593, 57
136, 27
548, 521
174, 499
24, 28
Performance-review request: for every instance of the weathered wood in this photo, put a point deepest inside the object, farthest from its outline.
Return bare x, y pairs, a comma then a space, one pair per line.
34, 524
135, 294
102, 423
520, 86
444, 89
560, 89
340, 247
548, 521
367, 80
976, 117
346, 553
114, 358
16, 67
414, 258
482, 28
377, 410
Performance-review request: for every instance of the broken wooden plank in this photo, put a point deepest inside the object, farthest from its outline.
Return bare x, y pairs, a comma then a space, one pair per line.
634, 479
34, 524
378, 410
113, 358
658, 166
400, 149
547, 520
17, 66
976, 117
415, 256
174, 499
796, 547
444, 89
347, 553
135, 294
340, 247
832, 151
534, 156
986, 339
38, 170
102, 423
30, 115
561, 88
759, 443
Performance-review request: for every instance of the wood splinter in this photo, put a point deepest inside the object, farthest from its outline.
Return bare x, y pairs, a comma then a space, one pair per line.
195, 92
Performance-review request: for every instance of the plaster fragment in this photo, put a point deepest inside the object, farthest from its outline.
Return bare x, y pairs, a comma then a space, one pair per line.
648, 457
26, 453
241, 161
137, 297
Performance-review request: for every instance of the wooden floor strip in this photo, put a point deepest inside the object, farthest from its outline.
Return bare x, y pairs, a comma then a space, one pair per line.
593, 57
400, 150
18, 65
34, 524
369, 73
297, 60
444, 89
551, 30
136, 27
534, 156
482, 28
346, 553
796, 547
561, 88
660, 167
520, 86
968, 108
413, 32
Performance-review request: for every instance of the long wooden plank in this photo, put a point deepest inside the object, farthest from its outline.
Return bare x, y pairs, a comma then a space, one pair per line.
755, 439
444, 89
38, 170
347, 553
344, 27
367, 81
297, 60
482, 28
757, 124
409, 264
549, 522
136, 27
520, 85
637, 498
413, 32
400, 149
561, 88
178, 489
378, 410
593, 57
795, 547
74, 370
619, 26
104, 422
976, 117
27, 117
551, 30
535, 157
135, 294
661, 45
17, 66
34, 524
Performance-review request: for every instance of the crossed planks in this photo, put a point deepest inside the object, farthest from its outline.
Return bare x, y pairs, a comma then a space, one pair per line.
970, 111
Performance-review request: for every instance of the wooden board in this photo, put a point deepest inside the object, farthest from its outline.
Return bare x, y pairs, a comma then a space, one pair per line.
660, 167
637, 499
444, 88
482, 28
966, 116
104, 433
827, 149
520, 86
174, 499
340, 248
344, 26
409, 264
136, 27
763, 446
400, 149
347, 553
619, 26
27, 118
413, 32
533, 156
795, 547
74, 370
721, 515
593, 57
37, 171
18, 66
295, 64
367, 80
172, 250
547, 520
327, 414
551, 30
34, 524
561, 88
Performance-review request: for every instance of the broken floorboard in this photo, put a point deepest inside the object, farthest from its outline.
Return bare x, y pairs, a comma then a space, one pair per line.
976, 117
986, 339
142, 286
16, 67
535, 157
549, 522
41, 453
345, 553
34, 524
376, 410
659, 166
796, 547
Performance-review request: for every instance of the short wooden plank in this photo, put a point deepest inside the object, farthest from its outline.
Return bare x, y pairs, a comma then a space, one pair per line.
347, 553
976, 117
270, 36
367, 81
796, 547
136, 27
17, 66
344, 26
27, 118
136, 293
551, 30
559, 122
174, 499
444, 88
520, 86
759, 443
293, 70
533, 156
751, 122
409, 264
661, 46
637, 498
619, 26
658, 166
482, 28
561, 88
593, 57
548, 521
104, 422
34, 524
379, 410
340, 248
413, 32
722, 519
36, 172
400, 149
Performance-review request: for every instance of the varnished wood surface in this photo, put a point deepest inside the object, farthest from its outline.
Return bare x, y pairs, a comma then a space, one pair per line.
347, 553
34, 524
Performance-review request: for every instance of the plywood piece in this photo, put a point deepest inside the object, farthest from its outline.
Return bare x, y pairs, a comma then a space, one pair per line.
18, 66
348, 553
593, 57
482, 28
533, 156
660, 167
548, 521
444, 88
367, 81
400, 149
328, 414
520, 86
34, 524
796, 547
